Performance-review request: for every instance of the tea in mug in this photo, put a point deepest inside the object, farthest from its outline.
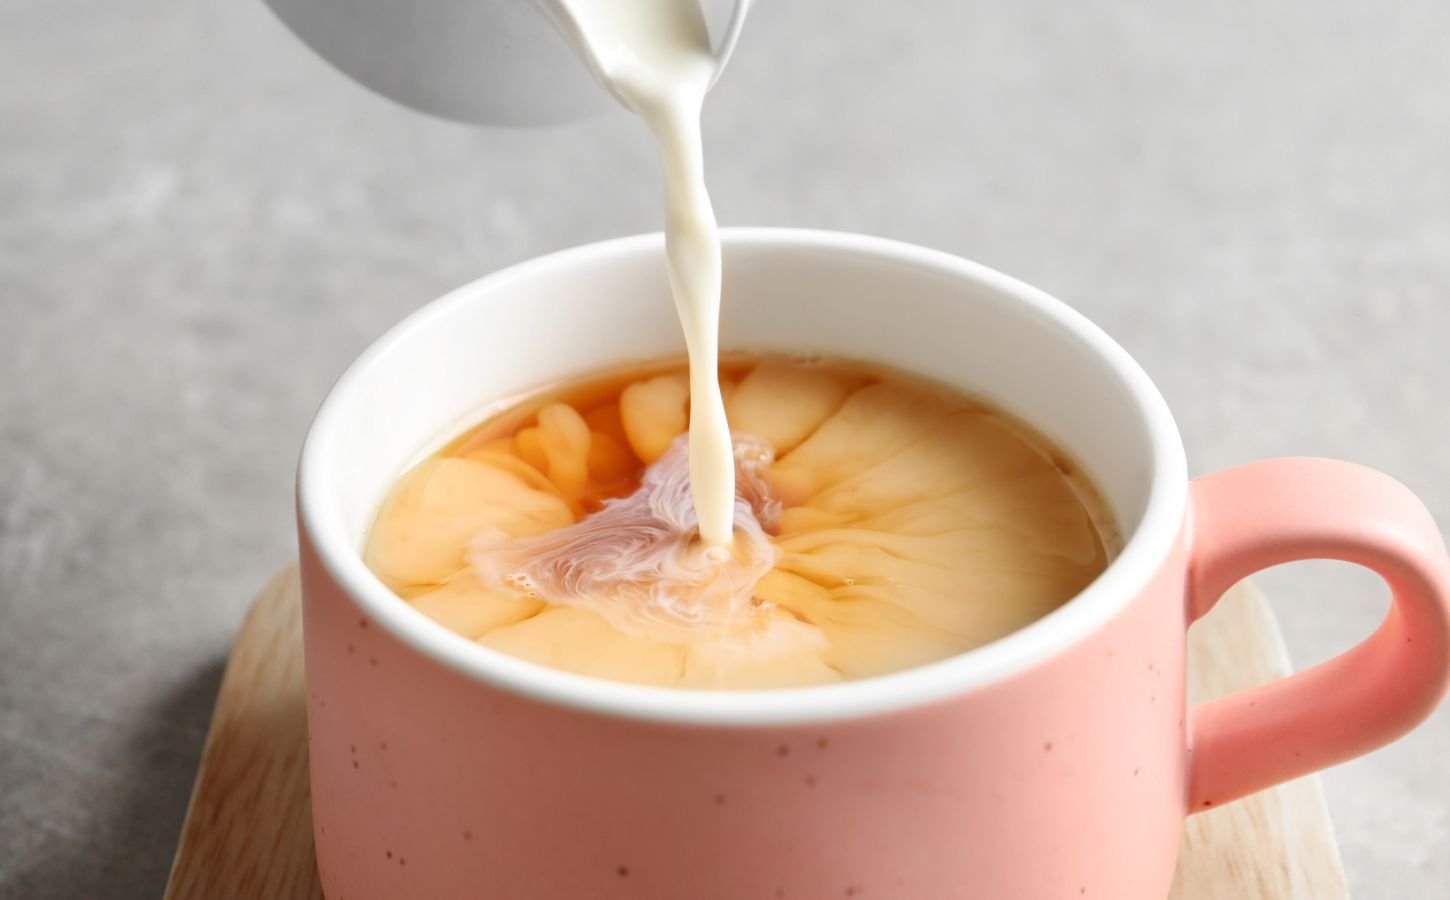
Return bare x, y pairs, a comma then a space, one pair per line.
882, 521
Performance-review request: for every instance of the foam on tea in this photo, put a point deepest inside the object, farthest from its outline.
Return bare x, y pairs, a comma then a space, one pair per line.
881, 522
640, 562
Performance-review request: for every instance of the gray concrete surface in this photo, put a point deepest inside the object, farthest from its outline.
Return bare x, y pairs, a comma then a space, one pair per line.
200, 224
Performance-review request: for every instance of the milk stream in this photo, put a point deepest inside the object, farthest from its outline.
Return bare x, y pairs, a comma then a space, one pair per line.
654, 56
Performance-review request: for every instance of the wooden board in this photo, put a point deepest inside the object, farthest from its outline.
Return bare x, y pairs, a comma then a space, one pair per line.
1277, 844
248, 831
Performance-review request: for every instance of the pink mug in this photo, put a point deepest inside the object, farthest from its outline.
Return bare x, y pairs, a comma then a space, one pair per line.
1057, 762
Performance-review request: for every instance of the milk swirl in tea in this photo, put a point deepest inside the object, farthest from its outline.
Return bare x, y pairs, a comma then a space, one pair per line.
881, 522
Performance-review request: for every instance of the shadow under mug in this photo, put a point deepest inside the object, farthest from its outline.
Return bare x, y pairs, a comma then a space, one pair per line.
1056, 762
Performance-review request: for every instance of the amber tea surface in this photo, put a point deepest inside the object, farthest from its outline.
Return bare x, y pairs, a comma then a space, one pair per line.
882, 521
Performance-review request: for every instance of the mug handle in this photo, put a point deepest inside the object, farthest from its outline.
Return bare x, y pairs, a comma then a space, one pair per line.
1281, 510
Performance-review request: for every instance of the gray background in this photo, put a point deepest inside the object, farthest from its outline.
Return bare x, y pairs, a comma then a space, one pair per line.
200, 224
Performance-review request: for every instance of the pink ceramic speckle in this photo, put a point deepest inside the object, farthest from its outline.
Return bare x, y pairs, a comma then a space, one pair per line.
1058, 762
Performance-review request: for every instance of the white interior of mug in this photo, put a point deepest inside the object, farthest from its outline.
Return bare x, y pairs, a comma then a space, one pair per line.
447, 366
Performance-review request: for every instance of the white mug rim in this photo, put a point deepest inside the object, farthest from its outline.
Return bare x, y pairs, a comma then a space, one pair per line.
1125, 578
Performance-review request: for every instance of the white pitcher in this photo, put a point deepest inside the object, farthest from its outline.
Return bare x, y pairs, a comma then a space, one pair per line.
488, 62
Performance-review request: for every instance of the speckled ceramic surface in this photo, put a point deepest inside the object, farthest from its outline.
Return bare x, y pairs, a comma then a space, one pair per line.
441, 768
